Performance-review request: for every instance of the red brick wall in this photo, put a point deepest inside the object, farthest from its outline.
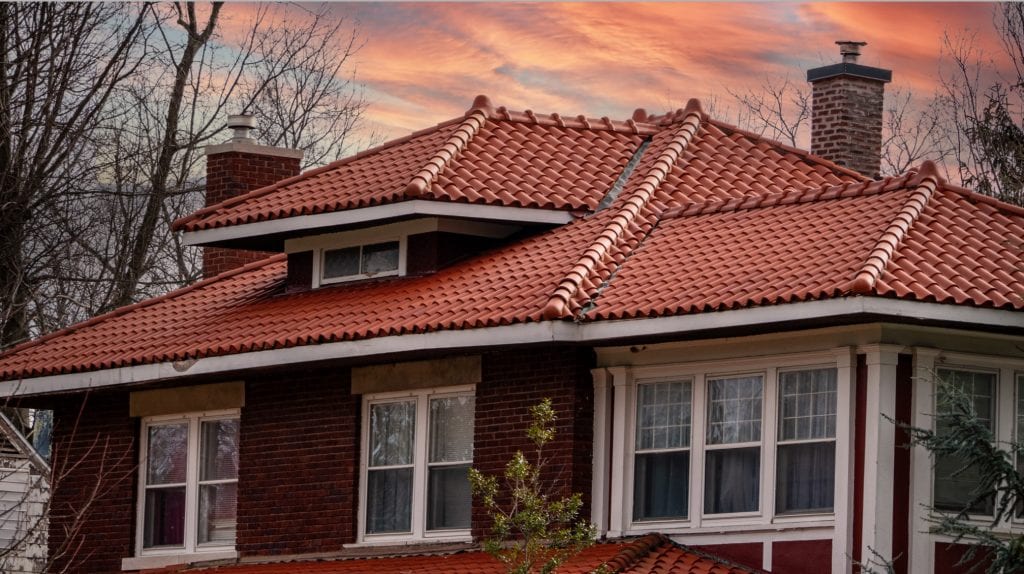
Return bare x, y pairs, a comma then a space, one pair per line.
95, 454
233, 173
298, 488
846, 122
515, 380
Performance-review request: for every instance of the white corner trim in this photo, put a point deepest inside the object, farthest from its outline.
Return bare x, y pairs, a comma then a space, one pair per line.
415, 207
603, 332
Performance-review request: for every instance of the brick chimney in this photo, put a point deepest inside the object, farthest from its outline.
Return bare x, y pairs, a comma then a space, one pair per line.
846, 111
238, 166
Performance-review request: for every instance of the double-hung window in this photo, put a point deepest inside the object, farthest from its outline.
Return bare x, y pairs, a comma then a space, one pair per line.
661, 474
806, 460
417, 455
189, 483
710, 448
732, 464
955, 481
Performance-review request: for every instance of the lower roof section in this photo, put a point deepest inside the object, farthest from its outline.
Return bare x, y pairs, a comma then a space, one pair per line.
644, 555
781, 317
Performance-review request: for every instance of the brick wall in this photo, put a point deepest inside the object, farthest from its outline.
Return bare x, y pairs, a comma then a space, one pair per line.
298, 464
95, 454
515, 380
233, 173
846, 122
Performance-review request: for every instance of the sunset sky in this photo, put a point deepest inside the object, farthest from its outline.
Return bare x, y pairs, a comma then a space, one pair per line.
423, 63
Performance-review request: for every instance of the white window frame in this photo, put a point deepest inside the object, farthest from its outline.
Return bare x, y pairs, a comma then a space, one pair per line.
626, 381
927, 362
997, 419
320, 264
190, 545
418, 531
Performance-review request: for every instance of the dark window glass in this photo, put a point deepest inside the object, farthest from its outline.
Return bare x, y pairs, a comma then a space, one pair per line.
661, 484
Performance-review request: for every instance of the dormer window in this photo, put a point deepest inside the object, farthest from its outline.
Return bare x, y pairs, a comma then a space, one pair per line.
413, 247
361, 262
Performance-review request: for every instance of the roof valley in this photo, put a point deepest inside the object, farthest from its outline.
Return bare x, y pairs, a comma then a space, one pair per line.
924, 184
600, 249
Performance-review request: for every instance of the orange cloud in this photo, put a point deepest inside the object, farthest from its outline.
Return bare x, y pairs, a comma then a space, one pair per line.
423, 62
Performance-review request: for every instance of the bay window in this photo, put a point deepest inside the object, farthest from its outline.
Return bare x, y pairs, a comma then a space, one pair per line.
752, 441
417, 455
189, 483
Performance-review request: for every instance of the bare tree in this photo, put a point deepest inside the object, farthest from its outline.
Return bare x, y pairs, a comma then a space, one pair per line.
984, 108
59, 67
103, 239
778, 109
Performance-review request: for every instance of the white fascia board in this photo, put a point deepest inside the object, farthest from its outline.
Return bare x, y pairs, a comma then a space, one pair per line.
415, 207
520, 334
751, 316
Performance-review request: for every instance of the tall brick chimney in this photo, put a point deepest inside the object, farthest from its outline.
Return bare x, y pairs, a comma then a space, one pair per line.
238, 166
846, 111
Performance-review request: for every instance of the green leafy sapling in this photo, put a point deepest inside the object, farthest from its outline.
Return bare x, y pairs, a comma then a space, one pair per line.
535, 531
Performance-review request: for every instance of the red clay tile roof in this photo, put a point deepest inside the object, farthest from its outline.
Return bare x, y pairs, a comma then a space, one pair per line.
659, 248
651, 554
521, 159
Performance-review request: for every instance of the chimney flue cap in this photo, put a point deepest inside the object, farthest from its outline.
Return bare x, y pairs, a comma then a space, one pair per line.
850, 50
241, 125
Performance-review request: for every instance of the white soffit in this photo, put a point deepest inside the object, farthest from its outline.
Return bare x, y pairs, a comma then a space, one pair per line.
415, 207
521, 334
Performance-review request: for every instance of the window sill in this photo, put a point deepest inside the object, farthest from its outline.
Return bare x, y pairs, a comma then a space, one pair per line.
641, 528
162, 560
426, 540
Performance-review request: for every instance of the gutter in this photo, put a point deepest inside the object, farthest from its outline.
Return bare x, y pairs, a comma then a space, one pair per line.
598, 333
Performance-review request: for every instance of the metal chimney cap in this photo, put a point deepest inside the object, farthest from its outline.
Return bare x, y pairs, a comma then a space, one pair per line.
241, 125
850, 50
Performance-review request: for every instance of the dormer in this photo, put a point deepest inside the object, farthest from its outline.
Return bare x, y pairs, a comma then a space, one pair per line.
416, 204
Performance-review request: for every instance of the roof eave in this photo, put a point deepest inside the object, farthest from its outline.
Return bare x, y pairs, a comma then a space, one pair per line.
563, 332
323, 222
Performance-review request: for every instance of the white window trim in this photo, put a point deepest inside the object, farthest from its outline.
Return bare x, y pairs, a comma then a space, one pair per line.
191, 550
419, 533
625, 380
926, 362
319, 265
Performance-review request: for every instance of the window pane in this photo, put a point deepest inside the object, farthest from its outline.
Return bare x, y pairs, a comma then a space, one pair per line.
219, 450
341, 262
979, 387
217, 503
165, 517
955, 484
391, 433
380, 257
449, 501
389, 500
808, 404
451, 429
663, 415
806, 478
731, 480
661, 485
734, 410
167, 447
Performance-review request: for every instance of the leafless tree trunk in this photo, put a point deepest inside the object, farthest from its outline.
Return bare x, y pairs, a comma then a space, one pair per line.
59, 67
87, 220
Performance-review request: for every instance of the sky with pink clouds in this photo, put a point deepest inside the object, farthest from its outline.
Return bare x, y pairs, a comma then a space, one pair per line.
423, 63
